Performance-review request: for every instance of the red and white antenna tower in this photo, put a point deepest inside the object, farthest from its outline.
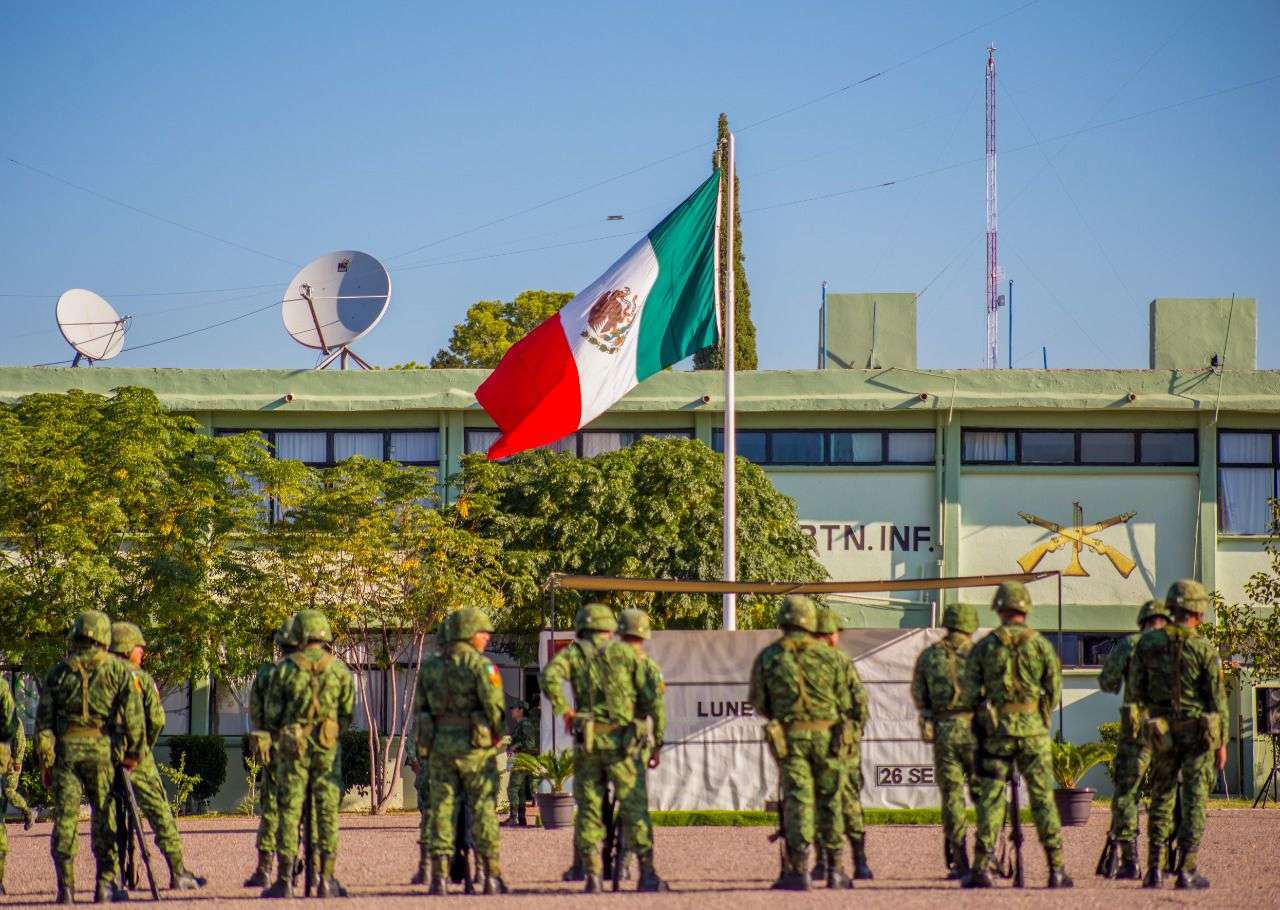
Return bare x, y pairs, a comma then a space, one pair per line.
994, 274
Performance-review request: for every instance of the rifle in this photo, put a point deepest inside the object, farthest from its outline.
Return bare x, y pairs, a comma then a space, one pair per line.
308, 841
1015, 811
460, 862
1081, 536
134, 826
1109, 859
780, 835
611, 857
1171, 845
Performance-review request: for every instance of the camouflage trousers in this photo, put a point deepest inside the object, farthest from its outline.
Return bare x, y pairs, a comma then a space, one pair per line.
305, 769
1035, 763
593, 772
451, 778
953, 748
422, 787
811, 775
519, 792
84, 771
268, 808
1132, 758
154, 804
851, 795
1187, 767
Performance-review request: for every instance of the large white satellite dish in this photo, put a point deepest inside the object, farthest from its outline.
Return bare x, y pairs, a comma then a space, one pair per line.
335, 301
90, 325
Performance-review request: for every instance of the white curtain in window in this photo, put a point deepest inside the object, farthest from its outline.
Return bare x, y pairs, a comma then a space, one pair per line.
370, 685
910, 447
366, 445
305, 447
997, 446
1243, 499
1244, 448
415, 446
480, 440
597, 442
855, 447
568, 444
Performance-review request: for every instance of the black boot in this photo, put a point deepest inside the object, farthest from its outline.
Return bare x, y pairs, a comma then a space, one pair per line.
959, 862
574, 872
794, 877
819, 871
1188, 877
329, 886
283, 885
593, 884
493, 883
439, 876
180, 879
649, 878
108, 892
1058, 878
837, 877
423, 875
978, 876
861, 871
1155, 872
1129, 869
261, 876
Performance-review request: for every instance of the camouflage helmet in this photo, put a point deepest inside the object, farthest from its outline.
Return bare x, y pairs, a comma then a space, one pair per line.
93, 625
1187, 595
125, 636
960, 618
521, 704
827, 623
312, 625
634, 623
1150, 609
595, 617
798, 612
286, 637
468, 622
1012, 595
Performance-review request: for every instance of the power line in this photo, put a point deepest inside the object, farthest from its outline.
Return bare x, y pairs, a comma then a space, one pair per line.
133, 208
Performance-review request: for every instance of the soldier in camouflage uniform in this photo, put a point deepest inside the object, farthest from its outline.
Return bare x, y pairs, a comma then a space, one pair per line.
128, 646
525, 740
310, 701
796, 686
610, 697
851, 762
936, 688
89, 719
1132, 753
1176, 675
459, 733
13, 744
1012, 683
258, 746
635, 629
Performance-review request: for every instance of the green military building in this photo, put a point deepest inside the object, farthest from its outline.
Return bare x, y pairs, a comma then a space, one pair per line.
898, 471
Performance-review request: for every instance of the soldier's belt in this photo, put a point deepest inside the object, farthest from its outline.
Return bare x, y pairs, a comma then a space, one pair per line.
602, 727
948, 715
809, 726
81, 731
1019, 707
453, 720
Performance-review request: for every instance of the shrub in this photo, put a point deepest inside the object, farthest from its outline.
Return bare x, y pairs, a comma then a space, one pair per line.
32, 787
1110, 735
354, 747
554, 769
183, 784
1071, 762
203, 756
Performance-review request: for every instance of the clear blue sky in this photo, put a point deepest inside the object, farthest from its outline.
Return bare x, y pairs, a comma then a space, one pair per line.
295, 129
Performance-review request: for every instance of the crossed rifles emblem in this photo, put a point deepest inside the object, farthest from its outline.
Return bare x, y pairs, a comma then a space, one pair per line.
1079, 536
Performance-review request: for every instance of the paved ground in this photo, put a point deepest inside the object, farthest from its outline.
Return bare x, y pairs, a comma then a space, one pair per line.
710, 868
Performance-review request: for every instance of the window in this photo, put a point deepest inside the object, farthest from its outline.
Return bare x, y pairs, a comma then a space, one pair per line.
1247, 466
415, 448
308, 448
480, 440
834, 447
583, 444
366, 445
1088, 447
1083, 649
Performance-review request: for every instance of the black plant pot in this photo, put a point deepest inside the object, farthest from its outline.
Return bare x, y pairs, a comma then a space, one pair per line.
555, 809
1074, 804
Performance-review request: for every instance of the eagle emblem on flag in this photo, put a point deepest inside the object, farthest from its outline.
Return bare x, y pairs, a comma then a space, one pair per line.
610, 319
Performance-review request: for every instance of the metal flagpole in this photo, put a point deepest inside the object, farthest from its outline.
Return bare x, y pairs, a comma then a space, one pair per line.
728, 343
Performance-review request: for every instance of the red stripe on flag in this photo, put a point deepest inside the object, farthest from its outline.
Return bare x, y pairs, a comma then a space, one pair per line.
533, 395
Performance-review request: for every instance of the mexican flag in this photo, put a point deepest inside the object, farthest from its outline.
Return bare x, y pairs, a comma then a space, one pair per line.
652, 308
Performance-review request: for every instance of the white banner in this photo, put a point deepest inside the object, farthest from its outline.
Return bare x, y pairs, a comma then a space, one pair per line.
715, 756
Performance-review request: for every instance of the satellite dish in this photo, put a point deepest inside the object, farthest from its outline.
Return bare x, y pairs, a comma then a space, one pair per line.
335, 301
90, 325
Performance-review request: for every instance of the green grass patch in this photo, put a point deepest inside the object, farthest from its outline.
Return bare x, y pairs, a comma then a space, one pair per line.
728, 818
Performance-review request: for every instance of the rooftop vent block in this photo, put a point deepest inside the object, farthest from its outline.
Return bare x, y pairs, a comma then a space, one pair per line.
1204, 332
870, 331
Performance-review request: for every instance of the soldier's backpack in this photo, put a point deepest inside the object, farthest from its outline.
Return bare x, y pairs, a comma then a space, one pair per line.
326, 728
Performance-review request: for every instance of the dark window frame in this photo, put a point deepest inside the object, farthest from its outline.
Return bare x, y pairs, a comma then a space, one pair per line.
270, 437
640, 433
1079, 640
828, 447
1273, 466
1078, 432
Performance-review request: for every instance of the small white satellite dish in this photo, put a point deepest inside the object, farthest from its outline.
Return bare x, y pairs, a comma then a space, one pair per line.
335, 301
90, 325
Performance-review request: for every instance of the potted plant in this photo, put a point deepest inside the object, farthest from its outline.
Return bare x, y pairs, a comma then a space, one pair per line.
554, 808
1070, 763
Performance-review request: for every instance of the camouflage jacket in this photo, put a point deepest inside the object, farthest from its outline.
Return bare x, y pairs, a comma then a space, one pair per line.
310, 687
258, 695
152, 706
655, 691
799, 678
937, 683
1116, 668
90, 693
12, 734
525, 736
1013, 677
1176, 672
458, 701
857, 710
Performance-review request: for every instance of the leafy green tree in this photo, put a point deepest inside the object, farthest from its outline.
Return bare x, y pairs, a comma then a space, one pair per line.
1248, 634
650, 510
712, 358
492, 326
363, 542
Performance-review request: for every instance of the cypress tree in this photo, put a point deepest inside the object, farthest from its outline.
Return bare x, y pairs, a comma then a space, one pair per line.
712, 358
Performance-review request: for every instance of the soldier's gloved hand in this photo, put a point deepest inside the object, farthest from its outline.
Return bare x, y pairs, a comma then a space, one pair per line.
129, 762
1220, 759
568, 721
926, 729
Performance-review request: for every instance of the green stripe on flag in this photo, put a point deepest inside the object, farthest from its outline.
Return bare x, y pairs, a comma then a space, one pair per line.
679, 317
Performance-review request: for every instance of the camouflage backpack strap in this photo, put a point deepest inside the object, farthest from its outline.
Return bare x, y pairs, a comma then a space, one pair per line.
317, 669
792, 648
1020, 701
953, 674
1177, 642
